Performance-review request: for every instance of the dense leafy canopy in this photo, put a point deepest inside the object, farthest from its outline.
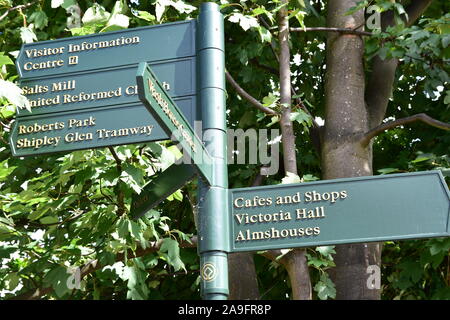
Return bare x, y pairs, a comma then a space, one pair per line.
65, 211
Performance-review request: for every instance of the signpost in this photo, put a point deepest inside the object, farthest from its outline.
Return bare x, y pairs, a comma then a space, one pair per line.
364, 209
213, 222
93, 78
163, 185
87, 128
171, 119
82, 100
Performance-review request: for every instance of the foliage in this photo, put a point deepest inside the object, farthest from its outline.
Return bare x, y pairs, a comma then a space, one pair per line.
61, 212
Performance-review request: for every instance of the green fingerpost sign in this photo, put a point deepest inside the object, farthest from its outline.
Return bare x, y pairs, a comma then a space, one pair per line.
364, 209
172, 120
162, 185
83, 92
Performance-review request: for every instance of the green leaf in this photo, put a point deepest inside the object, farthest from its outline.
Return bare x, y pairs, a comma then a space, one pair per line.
27, 34
420, 159
387, 170
439, 245
136, 232
359, 6
57, 278
95, 15
270, 100
133, 176
85, 30
7, 112
57, 3
49, 220
37, 213
301, 117
137, 288
6, 251
447, 97
68, 3
172, 248
326, 251
265, 34
177, 195
40, 19
123, 227
4, 60
325, 287
412, 270
144, 15
246, 22
13, 280
290, 178
5, 170
309, 178
116, 22
13, 94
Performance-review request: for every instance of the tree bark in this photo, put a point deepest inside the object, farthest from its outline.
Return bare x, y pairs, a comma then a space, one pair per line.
381, 79
352, 110
242, 278
243, 282
287, 128
298, 266
346, 119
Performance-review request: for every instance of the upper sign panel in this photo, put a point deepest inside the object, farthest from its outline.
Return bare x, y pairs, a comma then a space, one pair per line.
107, 50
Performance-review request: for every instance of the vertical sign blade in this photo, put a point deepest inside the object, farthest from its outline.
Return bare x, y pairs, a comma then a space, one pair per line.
170, 118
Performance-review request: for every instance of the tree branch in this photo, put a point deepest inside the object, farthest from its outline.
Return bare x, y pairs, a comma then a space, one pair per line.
392, 124
264, 67
248, 97
94, 265
287, 128
116, 158
120, 193
19, 7
381, 80
328, 29
415, 10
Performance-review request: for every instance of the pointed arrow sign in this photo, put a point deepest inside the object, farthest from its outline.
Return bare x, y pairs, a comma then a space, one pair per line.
162, 186
172, 120
364, 209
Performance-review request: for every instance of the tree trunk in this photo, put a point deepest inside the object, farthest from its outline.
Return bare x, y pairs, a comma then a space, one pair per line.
346, 119
298, 266
243, 283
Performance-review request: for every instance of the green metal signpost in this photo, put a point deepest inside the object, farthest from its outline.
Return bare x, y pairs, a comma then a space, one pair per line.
209, 159
86, 129
93, 77
82, 100
163, 185
364, 209
172, 120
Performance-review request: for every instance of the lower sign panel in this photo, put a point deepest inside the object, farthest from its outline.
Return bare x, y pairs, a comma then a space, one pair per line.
94, 128
367, 209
